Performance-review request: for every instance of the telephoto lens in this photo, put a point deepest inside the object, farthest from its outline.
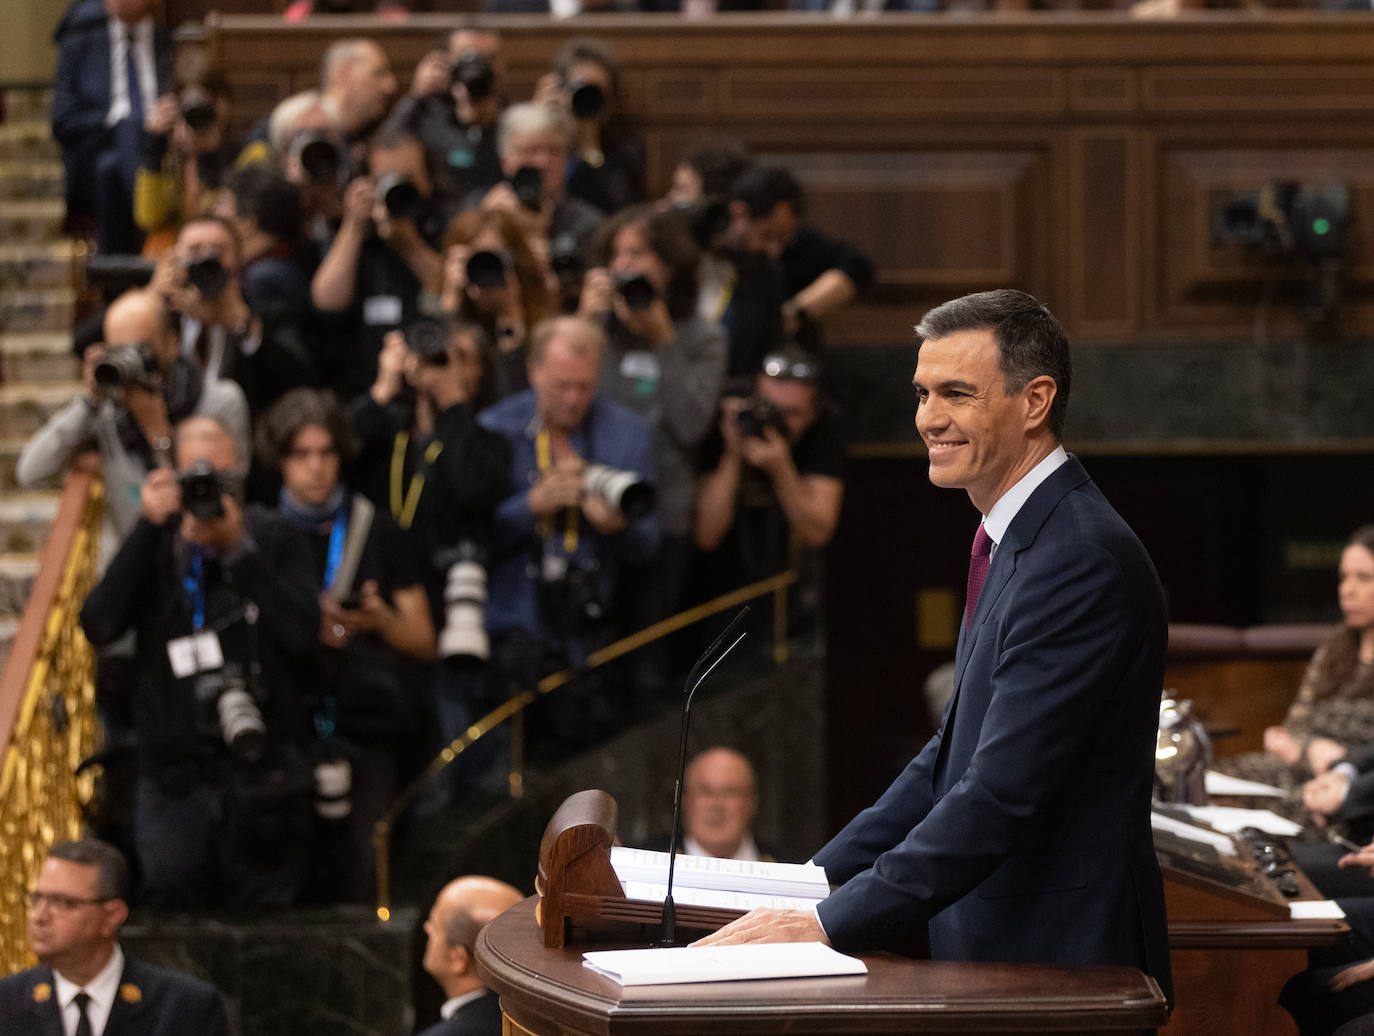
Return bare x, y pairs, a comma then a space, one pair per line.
318, 156
400, 196
474, 72
528, 185
427, 338
636, 289
487, 268
130, 364
624, 490
587, 99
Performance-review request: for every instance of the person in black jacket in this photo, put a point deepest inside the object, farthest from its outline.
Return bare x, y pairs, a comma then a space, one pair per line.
375, 632
222, 602
76, 908
461, 910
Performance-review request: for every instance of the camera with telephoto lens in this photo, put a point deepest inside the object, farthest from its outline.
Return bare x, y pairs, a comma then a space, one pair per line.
203, 489
623, 490
528, 185
227, 711
197, 108
399, 195
130, 365
565, 259
464, 635
428, 339
333, 773
587, 99
487, 268
636, 289
207, 275
759, 415
318, 156
474, 73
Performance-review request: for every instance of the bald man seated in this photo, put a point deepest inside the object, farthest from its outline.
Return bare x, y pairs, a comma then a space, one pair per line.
719, 802
461, 910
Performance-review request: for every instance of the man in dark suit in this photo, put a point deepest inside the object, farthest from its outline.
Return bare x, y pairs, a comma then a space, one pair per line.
85, 985
1021, 832
460, 911
112, 66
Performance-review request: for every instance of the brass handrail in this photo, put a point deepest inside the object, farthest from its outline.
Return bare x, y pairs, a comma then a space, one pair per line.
47, 708
513, 708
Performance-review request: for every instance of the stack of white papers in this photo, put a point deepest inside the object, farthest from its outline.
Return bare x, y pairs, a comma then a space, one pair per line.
722, 963
1315, 910
1232, 819
1188, 832
799, 880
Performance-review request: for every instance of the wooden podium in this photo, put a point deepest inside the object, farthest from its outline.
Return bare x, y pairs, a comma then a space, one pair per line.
532, 957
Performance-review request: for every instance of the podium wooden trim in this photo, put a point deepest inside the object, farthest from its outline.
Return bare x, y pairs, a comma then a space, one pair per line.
546, 991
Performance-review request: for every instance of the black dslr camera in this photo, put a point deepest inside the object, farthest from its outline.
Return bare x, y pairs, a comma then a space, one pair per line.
203, 489
129, 365
636, 289
197, 108
208, 276
400, 196
528, 185
587, 99
320, 159
474, 72
428, 338
758, 416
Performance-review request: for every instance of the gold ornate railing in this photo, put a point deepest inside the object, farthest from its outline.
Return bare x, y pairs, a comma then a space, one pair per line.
513, 708
47, 709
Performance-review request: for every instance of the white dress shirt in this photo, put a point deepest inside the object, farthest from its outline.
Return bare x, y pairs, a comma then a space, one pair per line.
748, 849
452, 1005
121, 106
100, 989
998, 520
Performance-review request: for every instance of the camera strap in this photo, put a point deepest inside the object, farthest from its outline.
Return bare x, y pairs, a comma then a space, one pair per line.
404, 502
543, 456
195, 587
337, 534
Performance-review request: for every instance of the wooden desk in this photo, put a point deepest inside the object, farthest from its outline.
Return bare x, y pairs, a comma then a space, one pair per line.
548, 991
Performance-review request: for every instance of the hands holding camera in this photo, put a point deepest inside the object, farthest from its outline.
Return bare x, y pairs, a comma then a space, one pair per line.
486, 278
564, 485
162, 500
635, 301
757, 442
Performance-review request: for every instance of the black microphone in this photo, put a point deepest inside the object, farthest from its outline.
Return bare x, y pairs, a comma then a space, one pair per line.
668, 933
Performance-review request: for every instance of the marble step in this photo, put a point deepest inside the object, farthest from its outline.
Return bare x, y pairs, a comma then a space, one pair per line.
50, 310
35, 266
28, 140
36, 221
21, 181
25, 408
38, 358
26, 519
16, 581
27, 103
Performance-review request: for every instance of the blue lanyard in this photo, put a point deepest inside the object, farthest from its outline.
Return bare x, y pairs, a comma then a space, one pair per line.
195, 586
337, 535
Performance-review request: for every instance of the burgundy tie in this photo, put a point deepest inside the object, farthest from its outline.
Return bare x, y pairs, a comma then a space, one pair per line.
977, 570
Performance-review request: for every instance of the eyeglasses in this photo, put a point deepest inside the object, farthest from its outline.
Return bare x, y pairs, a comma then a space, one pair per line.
776, 365
60, 902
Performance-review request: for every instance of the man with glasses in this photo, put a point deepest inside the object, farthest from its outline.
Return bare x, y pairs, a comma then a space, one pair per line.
85, 985
775, 468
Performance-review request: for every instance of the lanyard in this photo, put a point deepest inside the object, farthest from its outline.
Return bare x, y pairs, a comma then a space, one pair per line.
195, 586
543, 456
404, 503
337, 535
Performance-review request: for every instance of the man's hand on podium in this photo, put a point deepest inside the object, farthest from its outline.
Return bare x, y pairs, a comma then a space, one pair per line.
768, 925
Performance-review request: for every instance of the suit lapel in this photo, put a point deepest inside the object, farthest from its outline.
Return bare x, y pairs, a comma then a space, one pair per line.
127, 1010
43, 1006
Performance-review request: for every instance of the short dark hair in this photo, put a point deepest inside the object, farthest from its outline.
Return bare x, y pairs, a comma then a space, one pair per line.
269, 198
670, 238
719, 164
1029, 340
763, 187
112, 870
304, 408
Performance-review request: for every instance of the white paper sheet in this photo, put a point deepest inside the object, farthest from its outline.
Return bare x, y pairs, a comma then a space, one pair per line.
681, 964
1221, 784
1316, 910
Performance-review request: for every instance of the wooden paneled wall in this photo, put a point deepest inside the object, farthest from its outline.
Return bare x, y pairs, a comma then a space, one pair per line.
1077, 156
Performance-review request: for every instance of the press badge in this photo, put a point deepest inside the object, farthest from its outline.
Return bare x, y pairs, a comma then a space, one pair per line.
382, 309
198, 653
640, 366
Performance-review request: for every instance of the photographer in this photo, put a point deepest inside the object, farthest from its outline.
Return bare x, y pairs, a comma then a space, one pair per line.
137, 386
607, 169
263, 352
532, 140
375, 626
776, 467
493, 279
579, 462
357, 88
454, 103
222, 605
664, 362
383, 256
183, 159
440, 475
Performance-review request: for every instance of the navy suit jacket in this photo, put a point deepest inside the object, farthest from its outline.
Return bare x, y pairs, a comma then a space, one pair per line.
1021, 832
81, 89
480, 1017
151, 1001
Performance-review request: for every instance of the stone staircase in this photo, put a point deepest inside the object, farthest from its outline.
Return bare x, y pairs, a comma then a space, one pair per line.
39, 271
